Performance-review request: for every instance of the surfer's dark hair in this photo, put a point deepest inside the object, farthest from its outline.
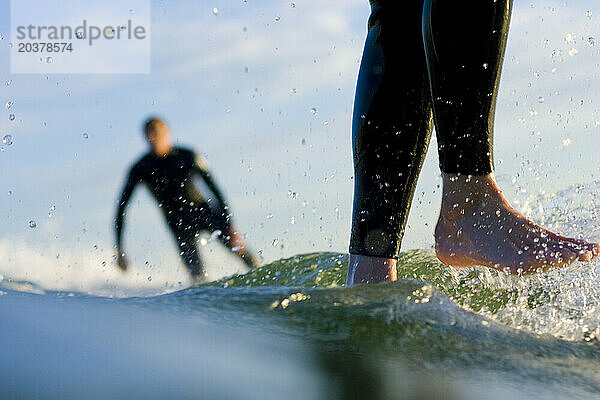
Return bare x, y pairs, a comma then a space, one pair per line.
151, 124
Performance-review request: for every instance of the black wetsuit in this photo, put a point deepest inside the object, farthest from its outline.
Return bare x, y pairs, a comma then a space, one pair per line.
187, 211
422, 58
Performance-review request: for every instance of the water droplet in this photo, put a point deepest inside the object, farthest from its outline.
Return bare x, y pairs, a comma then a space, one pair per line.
570, 38
303, 141
32, 224
293, 5
215, 11
49, 60
313, 110
573, 52
8, 83
1, 37
52, 208
80, 35
85, 135
216, 234
9, 104
485, 65
149, 279
275, 242
588, 14
7, 140
131, 10
277, 18
591, 41
540, 99
11, 117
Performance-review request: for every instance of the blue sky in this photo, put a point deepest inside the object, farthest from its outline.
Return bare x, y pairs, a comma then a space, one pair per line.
239, 87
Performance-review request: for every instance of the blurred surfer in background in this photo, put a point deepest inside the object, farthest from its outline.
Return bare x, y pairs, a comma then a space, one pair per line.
438, 62
168, 172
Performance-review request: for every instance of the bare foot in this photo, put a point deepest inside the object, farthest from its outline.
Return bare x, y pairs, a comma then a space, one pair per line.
365, 269
477, 226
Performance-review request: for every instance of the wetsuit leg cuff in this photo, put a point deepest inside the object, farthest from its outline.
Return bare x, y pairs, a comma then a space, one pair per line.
375, 243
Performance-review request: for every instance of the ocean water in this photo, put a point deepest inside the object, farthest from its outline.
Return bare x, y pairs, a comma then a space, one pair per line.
291, 330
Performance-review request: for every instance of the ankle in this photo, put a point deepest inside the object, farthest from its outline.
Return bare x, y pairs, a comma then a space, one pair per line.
462, 193
365, 269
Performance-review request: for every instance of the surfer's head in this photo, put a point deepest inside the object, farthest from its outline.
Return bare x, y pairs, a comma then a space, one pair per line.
158, 136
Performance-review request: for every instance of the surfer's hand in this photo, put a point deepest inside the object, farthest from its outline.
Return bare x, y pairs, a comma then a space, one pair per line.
236, 239
122, 261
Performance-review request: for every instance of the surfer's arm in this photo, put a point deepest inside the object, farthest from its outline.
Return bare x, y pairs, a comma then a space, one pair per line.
132, 181
201, 167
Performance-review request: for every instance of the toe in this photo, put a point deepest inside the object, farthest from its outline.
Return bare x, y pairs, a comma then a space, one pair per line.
567, 257
591, 250
558, 255
585, 255
595, 249
585, 250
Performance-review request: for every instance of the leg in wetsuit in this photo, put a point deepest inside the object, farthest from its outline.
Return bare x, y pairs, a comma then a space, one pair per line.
421, 56
186, 230
188, 250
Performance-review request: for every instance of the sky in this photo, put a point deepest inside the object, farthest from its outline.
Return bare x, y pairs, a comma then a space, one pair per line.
264, 89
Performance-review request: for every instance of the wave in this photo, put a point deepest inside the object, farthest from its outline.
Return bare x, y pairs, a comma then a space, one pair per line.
562, 303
